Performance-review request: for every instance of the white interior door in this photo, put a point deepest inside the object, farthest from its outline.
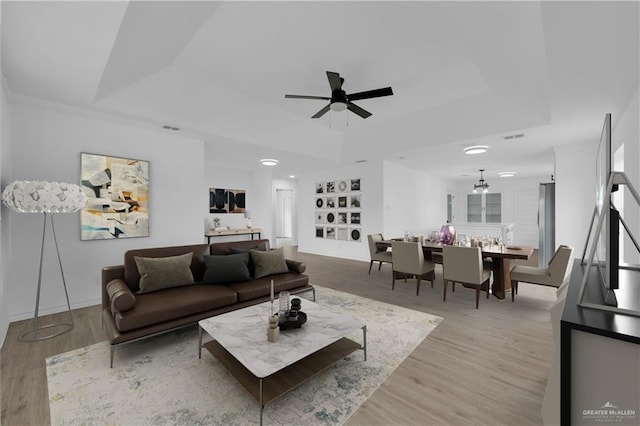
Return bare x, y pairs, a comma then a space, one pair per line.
284, 214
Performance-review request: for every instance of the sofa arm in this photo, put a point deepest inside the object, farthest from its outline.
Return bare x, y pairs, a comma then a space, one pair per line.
295, 266
121, 297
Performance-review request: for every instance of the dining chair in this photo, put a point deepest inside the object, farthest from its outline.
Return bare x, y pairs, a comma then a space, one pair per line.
377, 255
557, 271
408, 262
464, 265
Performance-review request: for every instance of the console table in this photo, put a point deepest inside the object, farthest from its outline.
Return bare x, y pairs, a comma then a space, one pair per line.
227, 232
600, 353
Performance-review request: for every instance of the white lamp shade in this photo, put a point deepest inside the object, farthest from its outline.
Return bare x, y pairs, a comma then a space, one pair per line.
26, 196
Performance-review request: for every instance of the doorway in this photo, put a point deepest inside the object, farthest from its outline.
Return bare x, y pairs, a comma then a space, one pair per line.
284, 217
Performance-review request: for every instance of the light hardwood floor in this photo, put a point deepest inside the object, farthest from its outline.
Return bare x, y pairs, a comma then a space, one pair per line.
478, 367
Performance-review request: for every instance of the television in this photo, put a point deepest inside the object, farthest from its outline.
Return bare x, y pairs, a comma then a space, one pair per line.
607, 251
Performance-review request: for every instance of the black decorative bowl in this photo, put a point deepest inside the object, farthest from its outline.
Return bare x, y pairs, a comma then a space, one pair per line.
287, 324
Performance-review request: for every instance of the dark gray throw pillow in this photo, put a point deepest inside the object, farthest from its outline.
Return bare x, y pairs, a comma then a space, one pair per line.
226, 269
157, 273
252, 267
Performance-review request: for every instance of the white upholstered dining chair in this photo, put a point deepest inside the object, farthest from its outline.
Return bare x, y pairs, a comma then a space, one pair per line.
377, 255
464, 265
557, 271
408, 262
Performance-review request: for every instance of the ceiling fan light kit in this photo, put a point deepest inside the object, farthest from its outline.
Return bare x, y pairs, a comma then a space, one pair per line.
340, 100
506, 174
269, 162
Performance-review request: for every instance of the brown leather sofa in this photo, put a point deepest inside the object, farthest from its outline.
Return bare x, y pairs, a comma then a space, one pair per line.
128, 315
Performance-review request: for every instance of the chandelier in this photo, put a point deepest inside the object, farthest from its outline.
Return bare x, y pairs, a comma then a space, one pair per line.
482, 184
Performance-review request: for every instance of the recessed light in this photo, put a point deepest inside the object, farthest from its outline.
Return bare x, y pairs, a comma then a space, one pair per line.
292, 176
507, 174
269, 162
476, 149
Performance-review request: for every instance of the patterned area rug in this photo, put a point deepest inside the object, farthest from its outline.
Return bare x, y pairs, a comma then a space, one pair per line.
161, 381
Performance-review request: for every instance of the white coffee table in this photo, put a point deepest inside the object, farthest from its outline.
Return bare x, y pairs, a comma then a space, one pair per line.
268, 370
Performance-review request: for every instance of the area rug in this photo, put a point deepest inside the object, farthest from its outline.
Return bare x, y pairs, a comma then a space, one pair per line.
161, 381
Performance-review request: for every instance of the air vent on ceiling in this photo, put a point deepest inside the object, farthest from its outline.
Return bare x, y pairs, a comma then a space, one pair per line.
166, 127
361, 161
516, 136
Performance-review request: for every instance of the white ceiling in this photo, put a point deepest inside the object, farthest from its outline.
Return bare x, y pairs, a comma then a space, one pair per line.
462, 73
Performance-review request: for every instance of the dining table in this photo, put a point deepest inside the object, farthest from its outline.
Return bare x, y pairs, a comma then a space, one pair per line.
500, 256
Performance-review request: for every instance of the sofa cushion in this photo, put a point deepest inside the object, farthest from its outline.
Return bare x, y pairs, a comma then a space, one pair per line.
225, 248
261, 287
164, 272
160, 306
132, 277
269, 262
121, 297
226, 269
252, 266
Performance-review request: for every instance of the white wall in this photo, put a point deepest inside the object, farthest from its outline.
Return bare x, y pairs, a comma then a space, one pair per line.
371, 177
216, 176
414, 201
5, 222
575, 193
515, 193
626, 130
46, 144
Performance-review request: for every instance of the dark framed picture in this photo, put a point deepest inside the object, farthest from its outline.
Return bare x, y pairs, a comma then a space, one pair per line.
319, 232
355, 218
331, 187
342, 202
331, 202
355, 234
319, 188
319, 217
342, 218
330, 233
355, 202
355, 184
319, 203
331, 217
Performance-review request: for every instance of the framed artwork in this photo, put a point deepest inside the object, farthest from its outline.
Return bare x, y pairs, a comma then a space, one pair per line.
330, 233
218, 200
117, 190
236, 200
338, 205
222, 200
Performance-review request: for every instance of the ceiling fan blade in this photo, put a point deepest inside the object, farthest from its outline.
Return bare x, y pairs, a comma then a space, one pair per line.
306, 97
322, 112
376, 93
334, 81
357, 110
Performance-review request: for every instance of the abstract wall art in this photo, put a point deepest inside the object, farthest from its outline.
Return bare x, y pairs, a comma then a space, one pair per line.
118, 197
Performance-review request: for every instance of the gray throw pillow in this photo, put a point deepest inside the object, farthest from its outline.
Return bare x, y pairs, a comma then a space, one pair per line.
157, 273
269, 262
252, 267
226, 269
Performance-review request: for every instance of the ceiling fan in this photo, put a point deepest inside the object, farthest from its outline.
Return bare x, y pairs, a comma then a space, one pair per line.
340, 100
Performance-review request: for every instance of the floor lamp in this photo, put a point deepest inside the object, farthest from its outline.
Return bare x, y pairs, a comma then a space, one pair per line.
47, 198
